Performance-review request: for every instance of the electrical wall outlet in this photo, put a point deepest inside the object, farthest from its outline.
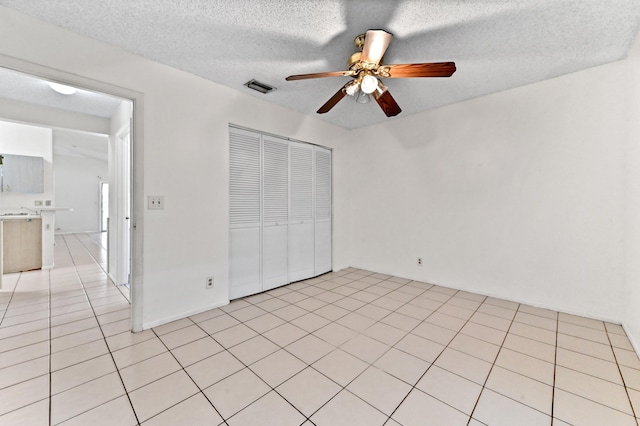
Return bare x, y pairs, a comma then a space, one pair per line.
47, 203
209, 283
419, 261
37, 203
155, 202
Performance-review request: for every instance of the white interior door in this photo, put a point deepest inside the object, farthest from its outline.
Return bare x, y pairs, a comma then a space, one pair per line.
275, 210
123, 207
245, 213
301, 224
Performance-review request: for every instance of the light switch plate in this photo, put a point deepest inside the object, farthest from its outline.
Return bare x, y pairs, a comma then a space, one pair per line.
155, 202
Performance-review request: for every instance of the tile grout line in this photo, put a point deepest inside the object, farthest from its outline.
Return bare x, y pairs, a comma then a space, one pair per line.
105, 271
413, 387
555, 369
307, 334
224, 421
225, 349
624, 383
415, 296
370, 364
493, 365
344, 388
4, 313
104, 338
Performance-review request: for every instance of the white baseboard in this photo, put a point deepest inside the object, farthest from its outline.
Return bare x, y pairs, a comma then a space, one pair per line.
635, 345
182, 315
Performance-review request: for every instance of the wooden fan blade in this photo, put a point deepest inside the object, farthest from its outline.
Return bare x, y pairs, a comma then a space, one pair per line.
333, 101
433, 69
319, 75
387, 102
375, 44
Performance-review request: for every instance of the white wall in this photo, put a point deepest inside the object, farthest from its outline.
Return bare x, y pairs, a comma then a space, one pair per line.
520, 194
22, 139
632, 200
185, 142
78, 173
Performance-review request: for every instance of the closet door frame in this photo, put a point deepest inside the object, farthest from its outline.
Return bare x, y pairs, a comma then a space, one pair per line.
298, 234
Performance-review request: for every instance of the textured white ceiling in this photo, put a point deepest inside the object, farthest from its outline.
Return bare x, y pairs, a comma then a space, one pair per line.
80, 144
496, 44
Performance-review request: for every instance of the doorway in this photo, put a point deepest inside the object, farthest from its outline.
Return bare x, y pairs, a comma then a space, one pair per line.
104, 206
116, 193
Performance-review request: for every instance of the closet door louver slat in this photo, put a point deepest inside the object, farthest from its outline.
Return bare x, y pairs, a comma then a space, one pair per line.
275, 180
244, 178
301, 182
322, 232
301, 226
275, 208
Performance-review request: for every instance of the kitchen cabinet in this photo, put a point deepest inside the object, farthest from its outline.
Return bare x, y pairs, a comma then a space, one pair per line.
21, 173
22, 244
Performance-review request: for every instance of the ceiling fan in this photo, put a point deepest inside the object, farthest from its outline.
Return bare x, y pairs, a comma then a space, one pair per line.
366, 68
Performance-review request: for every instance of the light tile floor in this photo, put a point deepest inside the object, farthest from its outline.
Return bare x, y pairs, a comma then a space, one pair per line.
347, 348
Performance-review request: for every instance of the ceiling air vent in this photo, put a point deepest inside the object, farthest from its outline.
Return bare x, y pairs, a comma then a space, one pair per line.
260, 87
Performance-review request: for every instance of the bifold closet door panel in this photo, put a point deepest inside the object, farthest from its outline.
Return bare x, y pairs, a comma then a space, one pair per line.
244, 213
275, 211
322, 240
301, 223
244, 262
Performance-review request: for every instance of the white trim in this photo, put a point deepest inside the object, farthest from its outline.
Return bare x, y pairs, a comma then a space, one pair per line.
182, 315
634, 344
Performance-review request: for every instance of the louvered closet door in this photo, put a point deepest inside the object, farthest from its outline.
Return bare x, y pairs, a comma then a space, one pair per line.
275, 210
245, 213
301, 226
322, 162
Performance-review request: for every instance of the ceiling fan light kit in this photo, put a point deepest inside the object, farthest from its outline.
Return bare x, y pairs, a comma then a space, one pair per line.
366, 69
368, 84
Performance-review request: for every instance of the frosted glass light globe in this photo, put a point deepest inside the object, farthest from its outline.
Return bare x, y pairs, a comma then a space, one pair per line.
369, 84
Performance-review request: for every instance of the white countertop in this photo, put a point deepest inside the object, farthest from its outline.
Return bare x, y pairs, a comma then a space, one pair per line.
19, 216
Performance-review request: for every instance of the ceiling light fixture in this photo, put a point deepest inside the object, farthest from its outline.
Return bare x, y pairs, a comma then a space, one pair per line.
352, 88
62, 89
363, 98
369, 84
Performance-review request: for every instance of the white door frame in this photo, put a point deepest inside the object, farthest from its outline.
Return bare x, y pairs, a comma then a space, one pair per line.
101, 217
122, 195
137, 163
